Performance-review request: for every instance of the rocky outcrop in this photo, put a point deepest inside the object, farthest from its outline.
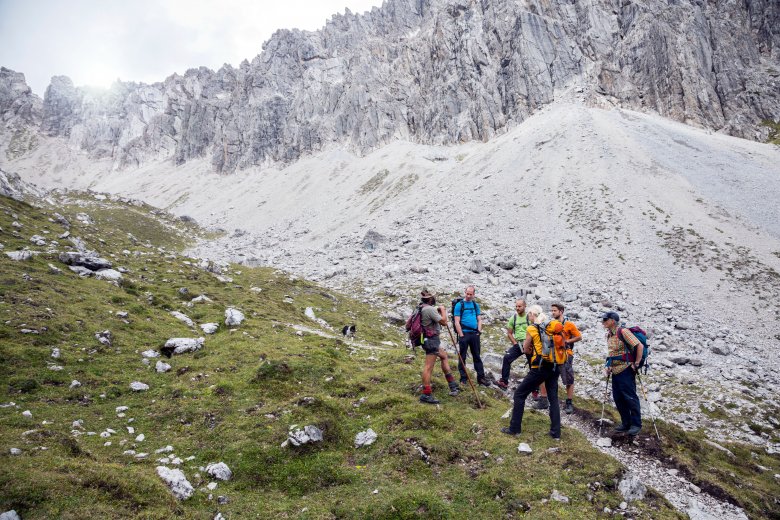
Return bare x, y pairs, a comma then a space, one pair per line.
430, 71
11, 185
18, 105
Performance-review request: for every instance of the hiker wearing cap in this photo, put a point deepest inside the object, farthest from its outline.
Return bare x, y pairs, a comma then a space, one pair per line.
541, 372
516, 332
571, 335
432, 318
623, 373
468, 325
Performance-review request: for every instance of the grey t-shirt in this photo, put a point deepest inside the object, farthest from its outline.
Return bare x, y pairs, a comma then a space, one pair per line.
430, 318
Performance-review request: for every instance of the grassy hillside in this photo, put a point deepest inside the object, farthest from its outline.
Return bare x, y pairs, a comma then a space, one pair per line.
235, 399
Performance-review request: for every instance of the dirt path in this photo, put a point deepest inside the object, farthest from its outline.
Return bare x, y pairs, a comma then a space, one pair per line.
679, 491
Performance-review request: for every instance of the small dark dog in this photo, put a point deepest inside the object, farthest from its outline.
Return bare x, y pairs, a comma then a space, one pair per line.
348, 331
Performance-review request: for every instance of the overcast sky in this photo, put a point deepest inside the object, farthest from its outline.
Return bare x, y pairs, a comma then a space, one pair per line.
95, 42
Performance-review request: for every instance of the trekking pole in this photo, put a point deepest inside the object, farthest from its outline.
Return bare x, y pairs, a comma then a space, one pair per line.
649, 404
455, 346
604, 404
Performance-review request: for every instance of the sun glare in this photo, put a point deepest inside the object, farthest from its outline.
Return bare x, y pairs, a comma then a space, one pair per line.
96, 76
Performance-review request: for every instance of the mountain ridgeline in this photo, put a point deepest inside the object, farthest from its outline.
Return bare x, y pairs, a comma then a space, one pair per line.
428, 71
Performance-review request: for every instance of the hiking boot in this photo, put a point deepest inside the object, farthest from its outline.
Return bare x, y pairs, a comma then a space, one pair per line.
569, 408
509, 432
621, 429
503, 385
541, 404
428, 399
553, 436
482, 381
464, 382
634, 430
454, 389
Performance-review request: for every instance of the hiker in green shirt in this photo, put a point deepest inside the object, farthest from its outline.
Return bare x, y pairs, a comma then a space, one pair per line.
515, 331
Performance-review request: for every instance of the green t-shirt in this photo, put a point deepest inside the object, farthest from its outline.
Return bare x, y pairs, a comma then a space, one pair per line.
518, 324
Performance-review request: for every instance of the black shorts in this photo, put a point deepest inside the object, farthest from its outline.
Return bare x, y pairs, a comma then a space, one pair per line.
432, 345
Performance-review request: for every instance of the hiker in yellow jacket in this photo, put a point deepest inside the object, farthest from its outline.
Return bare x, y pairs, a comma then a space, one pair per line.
571, 335
544, 342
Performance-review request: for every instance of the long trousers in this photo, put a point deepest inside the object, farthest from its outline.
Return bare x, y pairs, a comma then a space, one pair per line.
470, 341
547, 374
626, 400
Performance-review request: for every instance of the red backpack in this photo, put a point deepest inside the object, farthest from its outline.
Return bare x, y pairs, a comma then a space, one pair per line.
414, 326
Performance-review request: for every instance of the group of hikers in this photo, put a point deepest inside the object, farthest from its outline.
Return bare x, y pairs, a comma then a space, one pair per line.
548, 345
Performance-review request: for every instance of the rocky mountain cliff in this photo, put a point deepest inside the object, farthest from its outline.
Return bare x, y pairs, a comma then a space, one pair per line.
428, 71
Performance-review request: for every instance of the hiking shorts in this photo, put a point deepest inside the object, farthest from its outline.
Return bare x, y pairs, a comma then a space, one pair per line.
567, 372
431, 346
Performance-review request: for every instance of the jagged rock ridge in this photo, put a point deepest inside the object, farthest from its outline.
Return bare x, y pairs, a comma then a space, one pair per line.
430, 71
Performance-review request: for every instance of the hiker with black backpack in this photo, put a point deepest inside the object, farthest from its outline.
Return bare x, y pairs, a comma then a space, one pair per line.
516, 332
468, 325
424, 326
544, 342
626, 353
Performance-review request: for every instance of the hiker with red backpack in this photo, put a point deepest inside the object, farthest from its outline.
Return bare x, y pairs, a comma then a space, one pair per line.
544, 342
424, 326
626, 354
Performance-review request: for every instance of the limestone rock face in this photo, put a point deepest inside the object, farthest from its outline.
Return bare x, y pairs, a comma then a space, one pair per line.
18, 104
61, 107
429, 71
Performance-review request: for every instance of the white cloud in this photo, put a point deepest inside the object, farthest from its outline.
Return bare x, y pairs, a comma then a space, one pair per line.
97, 41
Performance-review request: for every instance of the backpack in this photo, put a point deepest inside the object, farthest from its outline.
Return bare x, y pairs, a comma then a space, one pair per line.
630, 354
414, 326
553, 347
455, 302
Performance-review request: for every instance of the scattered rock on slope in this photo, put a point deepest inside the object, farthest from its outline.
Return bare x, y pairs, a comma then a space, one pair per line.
308, 434
219, 470
91, 262
233, 317
176, 481
183, 318
365, 438
182, 345
632, 488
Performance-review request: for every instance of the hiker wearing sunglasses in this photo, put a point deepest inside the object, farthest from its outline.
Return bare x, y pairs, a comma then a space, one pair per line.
623, 373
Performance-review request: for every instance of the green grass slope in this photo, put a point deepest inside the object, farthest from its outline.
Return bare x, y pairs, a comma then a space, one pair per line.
235, 399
